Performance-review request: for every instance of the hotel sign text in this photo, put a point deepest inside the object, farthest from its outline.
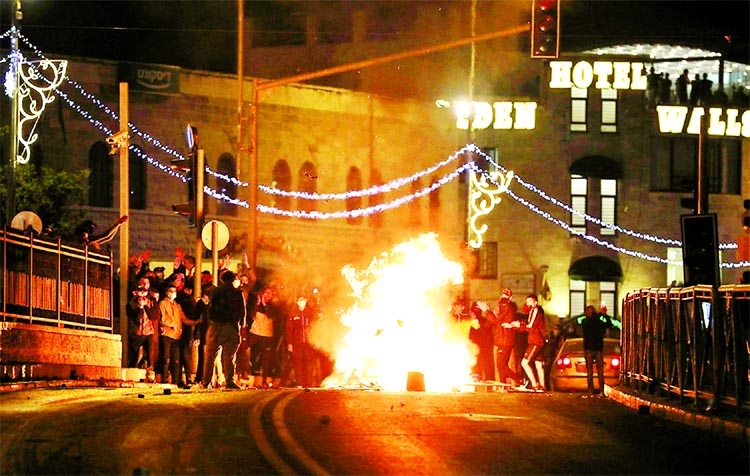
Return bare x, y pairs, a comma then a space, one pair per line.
721, 122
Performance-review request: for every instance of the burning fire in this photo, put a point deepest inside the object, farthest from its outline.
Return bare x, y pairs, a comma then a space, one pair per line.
400, 322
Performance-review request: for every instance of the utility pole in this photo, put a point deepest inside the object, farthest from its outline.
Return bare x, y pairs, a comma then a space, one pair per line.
125, 230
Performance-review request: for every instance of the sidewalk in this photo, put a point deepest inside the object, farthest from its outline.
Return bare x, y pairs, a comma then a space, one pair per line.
725, 421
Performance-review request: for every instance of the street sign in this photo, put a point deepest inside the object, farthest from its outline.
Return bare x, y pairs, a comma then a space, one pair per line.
222, 235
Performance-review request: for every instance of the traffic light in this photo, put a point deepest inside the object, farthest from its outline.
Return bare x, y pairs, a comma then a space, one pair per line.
545, 28
700, 247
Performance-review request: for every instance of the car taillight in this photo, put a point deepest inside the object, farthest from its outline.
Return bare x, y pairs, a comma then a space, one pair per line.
615, 362
564, 362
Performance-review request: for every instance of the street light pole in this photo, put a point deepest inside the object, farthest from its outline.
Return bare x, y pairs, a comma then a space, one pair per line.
125, 230
15, 58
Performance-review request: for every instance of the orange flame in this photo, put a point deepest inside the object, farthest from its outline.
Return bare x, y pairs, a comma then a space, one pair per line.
400, 322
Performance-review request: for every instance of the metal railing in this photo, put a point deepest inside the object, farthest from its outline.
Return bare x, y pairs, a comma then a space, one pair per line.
50, 283
691, 343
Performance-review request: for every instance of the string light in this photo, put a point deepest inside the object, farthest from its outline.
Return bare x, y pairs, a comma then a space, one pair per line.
374, 190
391, 186
366, 211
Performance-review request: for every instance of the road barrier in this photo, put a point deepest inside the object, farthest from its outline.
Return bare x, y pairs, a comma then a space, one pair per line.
689, 343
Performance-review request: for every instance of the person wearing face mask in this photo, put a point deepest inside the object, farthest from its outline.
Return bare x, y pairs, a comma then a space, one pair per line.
227, 311
302, 355
172, 319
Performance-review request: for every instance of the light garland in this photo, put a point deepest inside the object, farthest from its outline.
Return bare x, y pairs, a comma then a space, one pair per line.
366, 211
393, 185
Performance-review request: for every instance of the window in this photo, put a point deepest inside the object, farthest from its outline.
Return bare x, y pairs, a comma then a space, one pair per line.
608, 205
486, 261
226, 166
101, 176
578, 197
609, 110
608, 296
307, 182
577, 297
596, 293
138, 179
353, 182
282, 180
675, 267
674, 165
578, 107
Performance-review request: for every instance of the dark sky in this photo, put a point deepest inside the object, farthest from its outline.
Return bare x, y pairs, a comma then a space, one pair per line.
202, 34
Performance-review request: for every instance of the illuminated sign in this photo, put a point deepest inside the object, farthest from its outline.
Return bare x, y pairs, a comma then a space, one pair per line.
602, 74
498, 115
721, 122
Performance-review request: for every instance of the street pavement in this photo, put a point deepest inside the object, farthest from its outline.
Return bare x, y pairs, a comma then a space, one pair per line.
134, 428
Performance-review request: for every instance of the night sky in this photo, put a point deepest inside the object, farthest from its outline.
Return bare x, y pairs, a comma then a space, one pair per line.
202, 34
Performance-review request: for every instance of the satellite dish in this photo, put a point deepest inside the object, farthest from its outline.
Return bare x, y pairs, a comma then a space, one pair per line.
23, 220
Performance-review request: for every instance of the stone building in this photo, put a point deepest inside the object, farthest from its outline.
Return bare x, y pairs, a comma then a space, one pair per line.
583, 144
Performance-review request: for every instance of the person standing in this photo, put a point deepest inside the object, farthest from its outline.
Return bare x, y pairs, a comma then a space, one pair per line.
681, 85
536, 328
503, 338
594, 326
262, 358
226, 312
480, 333
172, 319
302, 354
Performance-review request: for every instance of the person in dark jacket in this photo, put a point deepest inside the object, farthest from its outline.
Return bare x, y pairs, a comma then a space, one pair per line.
595, 325
504, 338
226, 312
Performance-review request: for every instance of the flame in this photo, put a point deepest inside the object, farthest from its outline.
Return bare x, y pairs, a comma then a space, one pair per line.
400, 322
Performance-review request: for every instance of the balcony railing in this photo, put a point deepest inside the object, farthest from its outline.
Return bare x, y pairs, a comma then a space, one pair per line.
50, 283
689, 343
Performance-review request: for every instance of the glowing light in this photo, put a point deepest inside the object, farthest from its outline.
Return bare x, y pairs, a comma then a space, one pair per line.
482, 200
34, 94
371, 191
400, 322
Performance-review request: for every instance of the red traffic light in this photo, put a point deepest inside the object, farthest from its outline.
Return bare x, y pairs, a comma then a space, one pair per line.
545, 21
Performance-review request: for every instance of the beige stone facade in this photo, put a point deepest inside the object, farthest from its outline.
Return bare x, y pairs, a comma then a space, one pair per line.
387, 137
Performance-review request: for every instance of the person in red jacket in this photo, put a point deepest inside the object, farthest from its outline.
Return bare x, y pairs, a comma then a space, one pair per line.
536, 328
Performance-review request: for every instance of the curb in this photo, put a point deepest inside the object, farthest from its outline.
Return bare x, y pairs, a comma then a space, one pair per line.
692, 416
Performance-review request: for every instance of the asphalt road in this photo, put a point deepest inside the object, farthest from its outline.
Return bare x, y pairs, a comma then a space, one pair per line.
144, 431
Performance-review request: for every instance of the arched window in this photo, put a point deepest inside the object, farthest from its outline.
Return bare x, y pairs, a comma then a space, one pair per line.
226, 166
138, 180
282, 180
353, 182
100, 176
307, 182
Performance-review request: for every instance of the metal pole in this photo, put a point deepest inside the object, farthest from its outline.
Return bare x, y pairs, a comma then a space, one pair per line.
701, 190
198, 177
15, 58
125, 229
252, 231
240, 78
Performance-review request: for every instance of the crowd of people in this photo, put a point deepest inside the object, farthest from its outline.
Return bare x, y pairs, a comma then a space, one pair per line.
696, 91
243, 333
515, 346
239, 333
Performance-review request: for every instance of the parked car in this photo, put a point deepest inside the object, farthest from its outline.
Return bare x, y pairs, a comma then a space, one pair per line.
569, 368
